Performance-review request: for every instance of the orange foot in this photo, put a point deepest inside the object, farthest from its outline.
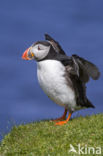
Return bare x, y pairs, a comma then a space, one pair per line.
65, 121
61, 123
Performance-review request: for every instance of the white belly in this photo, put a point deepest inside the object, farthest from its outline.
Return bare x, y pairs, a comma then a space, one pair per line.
52, 81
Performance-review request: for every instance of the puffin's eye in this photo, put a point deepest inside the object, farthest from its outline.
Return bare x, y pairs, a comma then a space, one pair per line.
39, 48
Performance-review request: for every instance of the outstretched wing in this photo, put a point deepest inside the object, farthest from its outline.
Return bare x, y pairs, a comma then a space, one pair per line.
55, 44
86, 69
78, 73
73, 79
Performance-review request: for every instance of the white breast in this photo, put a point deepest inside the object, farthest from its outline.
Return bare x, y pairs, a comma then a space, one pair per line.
52, 81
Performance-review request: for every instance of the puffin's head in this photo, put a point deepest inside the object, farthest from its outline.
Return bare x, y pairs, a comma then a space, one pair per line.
37, 51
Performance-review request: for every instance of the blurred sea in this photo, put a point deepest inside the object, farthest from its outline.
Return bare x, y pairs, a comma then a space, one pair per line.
77, 25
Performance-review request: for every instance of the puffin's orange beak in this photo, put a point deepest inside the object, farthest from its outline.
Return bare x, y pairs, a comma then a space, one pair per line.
25, 55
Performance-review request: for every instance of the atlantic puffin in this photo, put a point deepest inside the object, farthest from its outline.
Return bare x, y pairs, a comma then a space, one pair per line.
61, 77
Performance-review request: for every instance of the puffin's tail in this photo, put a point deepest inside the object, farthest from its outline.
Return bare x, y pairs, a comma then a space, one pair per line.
89, 104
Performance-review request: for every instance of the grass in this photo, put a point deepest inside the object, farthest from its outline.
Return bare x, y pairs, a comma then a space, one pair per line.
44, 139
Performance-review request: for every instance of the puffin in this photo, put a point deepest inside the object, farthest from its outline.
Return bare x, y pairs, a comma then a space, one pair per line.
63, 78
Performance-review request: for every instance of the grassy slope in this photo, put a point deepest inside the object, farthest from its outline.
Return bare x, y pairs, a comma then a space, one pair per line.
43, 138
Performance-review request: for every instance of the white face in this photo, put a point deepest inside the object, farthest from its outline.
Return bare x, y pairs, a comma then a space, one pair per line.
40, 51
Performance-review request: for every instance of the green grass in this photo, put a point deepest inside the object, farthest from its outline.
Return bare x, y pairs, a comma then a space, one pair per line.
45, 139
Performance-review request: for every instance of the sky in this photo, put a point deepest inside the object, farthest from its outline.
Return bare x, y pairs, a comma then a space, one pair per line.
76, 25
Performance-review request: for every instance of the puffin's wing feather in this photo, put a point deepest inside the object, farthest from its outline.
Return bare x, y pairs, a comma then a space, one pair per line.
55, 44
76, 78
78, 86
86, 69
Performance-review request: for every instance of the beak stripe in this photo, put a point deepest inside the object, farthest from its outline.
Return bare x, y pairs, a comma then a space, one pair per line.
25, 55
